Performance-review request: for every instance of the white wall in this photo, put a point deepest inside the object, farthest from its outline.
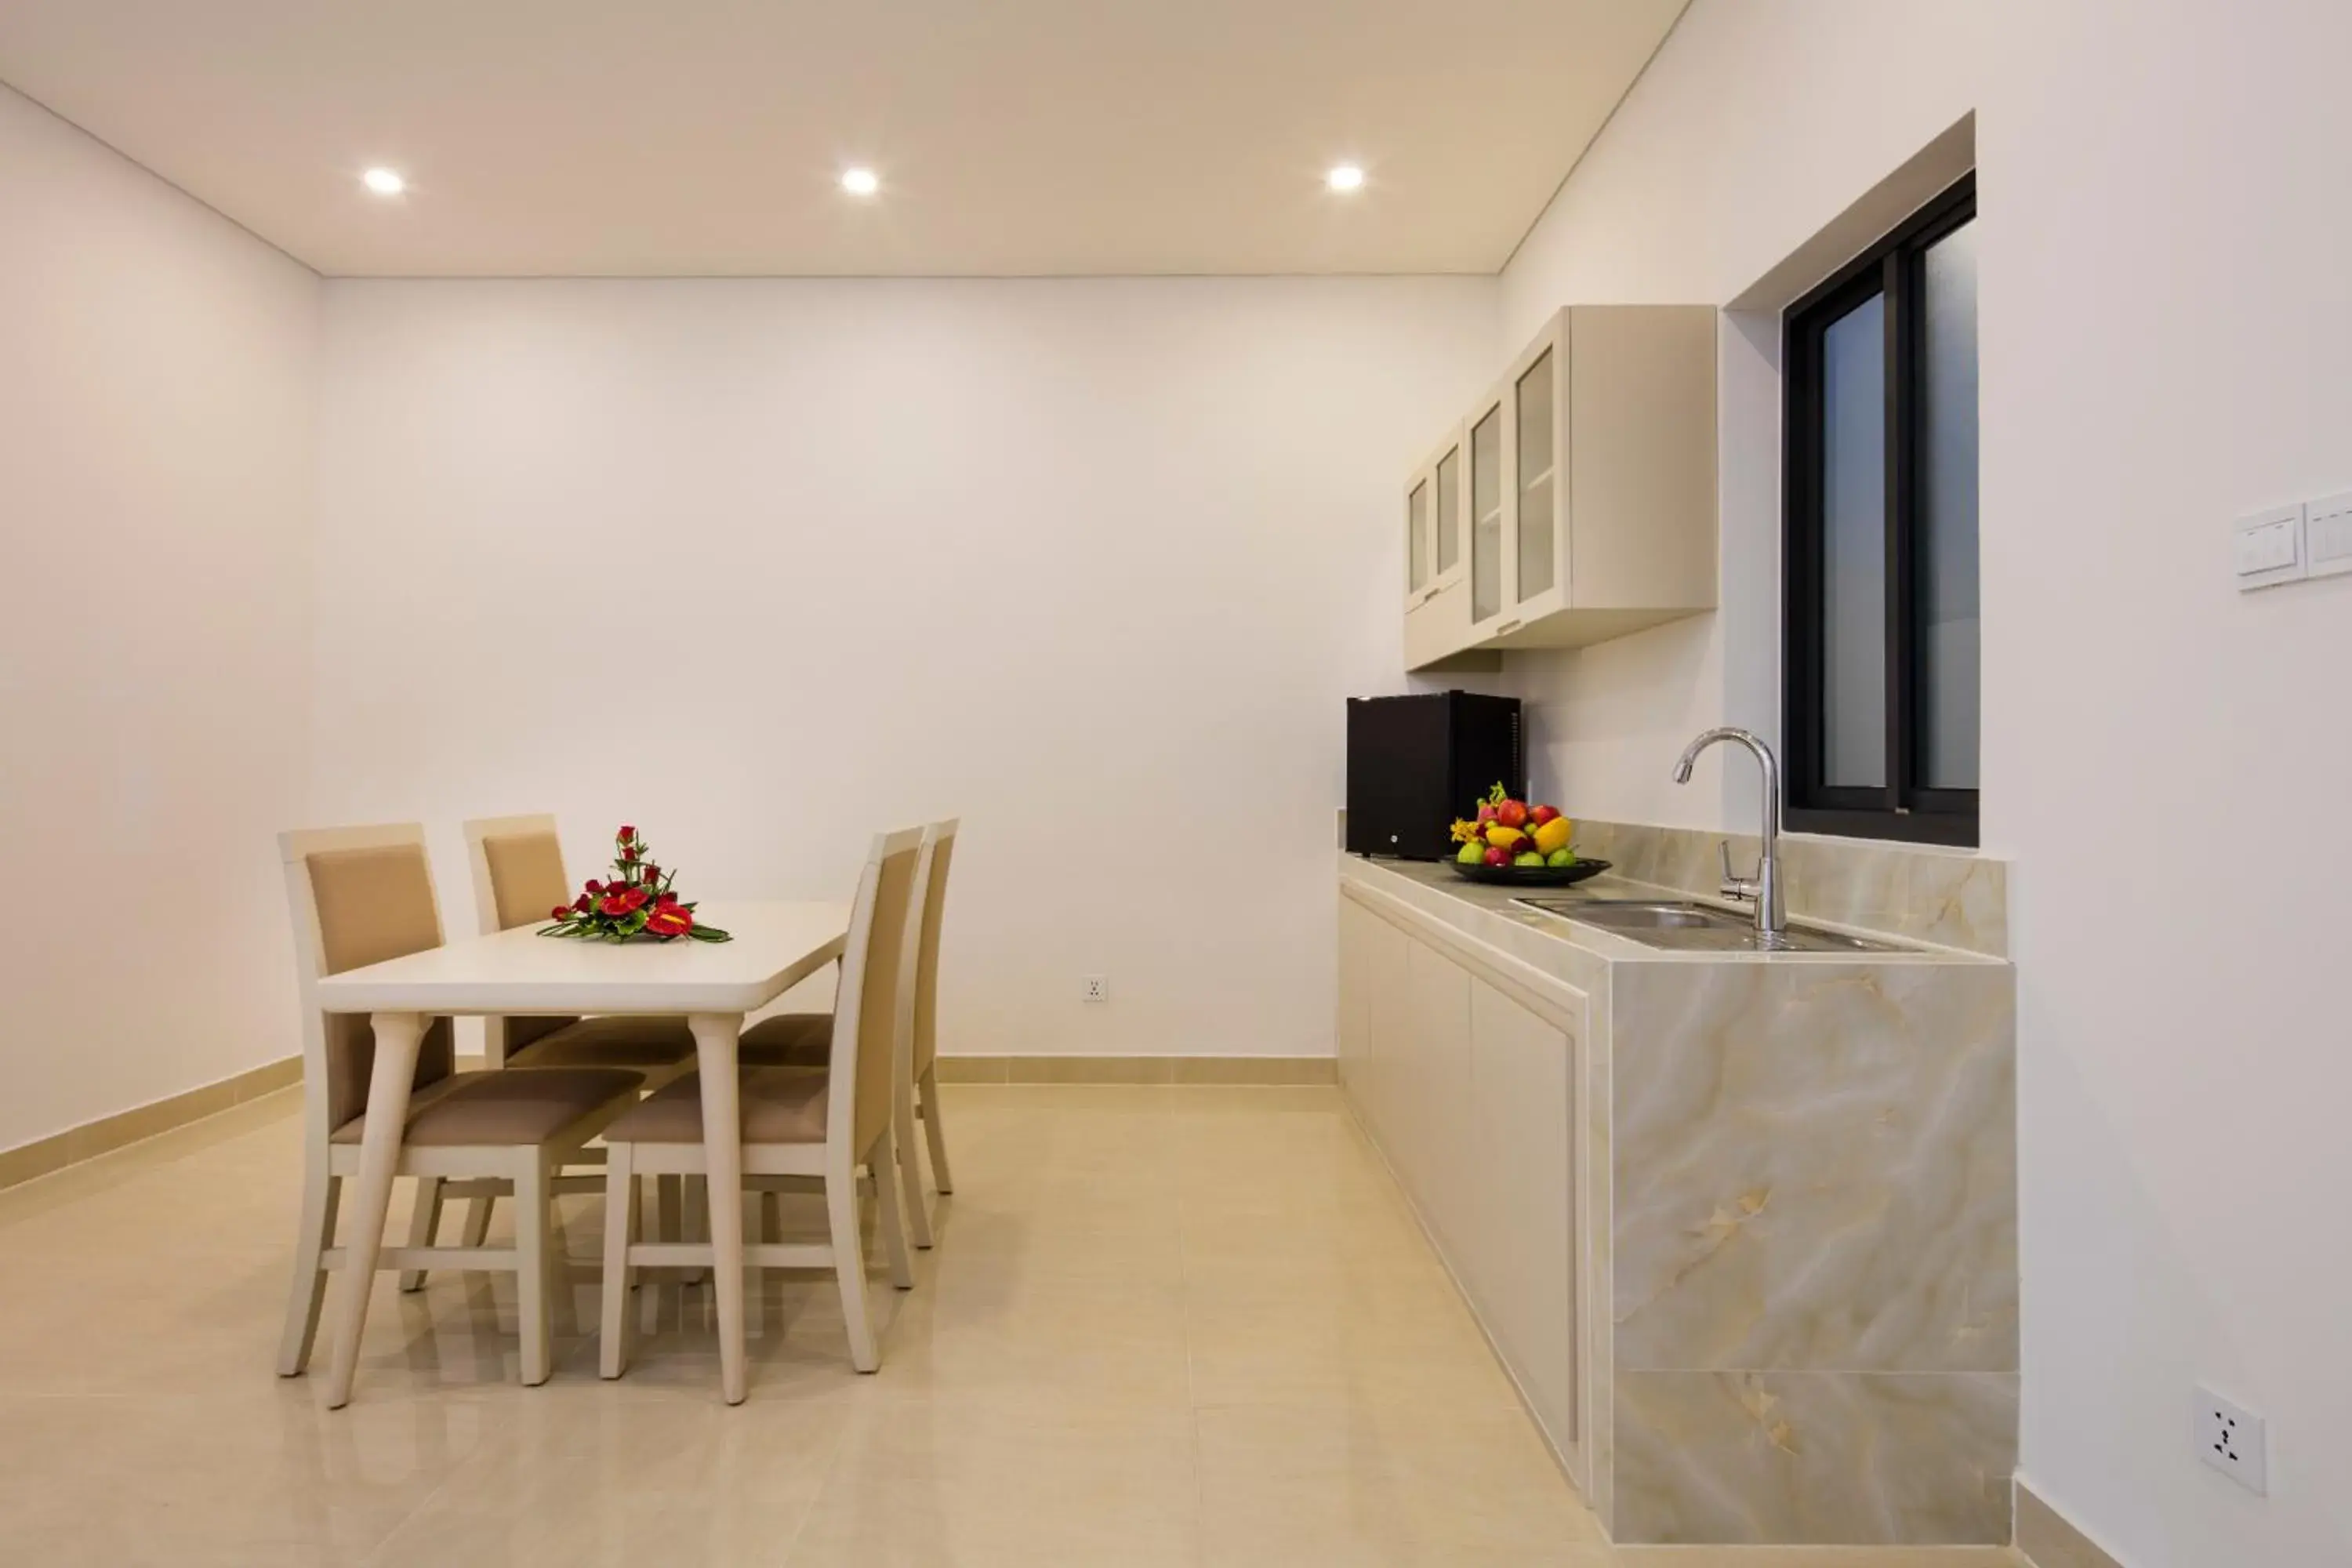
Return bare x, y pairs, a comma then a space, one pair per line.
156, 391
761, 566
2165, 328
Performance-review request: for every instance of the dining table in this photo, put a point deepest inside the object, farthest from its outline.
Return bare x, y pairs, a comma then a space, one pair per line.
713, 984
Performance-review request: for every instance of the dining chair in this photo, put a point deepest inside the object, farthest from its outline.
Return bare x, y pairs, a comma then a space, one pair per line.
805, 1040
797, 1123
360, 896
517, 866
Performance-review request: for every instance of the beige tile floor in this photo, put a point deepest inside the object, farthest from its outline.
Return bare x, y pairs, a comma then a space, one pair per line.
1163, 1325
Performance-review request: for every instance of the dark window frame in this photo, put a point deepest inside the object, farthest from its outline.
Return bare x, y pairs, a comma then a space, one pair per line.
1902, 809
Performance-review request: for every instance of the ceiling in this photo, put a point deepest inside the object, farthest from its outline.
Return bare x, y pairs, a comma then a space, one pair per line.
707, 137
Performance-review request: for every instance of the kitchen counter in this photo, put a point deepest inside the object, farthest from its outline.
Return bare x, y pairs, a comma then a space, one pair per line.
1784, 1308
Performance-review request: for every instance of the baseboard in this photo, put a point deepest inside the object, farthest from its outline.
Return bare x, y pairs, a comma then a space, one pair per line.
91, 1139
1231, 1071
2046, 1540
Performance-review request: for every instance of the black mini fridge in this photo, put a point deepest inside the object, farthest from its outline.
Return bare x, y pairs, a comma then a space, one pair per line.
1415, 763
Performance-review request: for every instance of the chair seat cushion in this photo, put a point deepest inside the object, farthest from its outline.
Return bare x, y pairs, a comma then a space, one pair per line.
611, 1043
511, 1110
788, 1040
778, 1105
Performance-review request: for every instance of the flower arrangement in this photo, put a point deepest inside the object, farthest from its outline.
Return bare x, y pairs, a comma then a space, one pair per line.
637, 900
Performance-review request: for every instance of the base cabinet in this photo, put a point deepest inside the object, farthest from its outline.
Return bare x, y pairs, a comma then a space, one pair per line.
1466, 1069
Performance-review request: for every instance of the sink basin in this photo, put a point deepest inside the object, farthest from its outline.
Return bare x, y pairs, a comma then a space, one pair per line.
1686, 926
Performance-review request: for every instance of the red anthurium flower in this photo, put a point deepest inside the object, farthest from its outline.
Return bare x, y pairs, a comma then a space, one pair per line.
635, 899
669, 920
614, 904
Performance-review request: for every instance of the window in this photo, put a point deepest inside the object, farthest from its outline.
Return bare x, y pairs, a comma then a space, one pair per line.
1881, 620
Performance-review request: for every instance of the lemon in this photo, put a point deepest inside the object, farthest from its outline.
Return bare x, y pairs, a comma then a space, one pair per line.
1555, 834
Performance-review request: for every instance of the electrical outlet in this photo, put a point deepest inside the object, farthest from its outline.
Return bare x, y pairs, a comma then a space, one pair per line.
1094, 988
2231, 1440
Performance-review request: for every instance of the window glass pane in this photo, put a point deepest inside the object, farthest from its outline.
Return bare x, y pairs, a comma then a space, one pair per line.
1487, 517
1416, 537
1536, 479
1946, 548
1854, 548
1449, 510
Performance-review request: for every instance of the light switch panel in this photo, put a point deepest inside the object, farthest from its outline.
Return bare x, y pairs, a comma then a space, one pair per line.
2328, 535
2267, 547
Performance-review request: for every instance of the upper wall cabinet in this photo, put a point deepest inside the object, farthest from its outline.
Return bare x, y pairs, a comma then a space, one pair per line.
1437, 590
1588, 489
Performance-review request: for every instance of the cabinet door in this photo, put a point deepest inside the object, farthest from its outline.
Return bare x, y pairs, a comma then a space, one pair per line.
1491, 495
1387, 1035
1447, 476
1441, 1104
1355, 1023
1539, 467
1524, 1067
1419, 555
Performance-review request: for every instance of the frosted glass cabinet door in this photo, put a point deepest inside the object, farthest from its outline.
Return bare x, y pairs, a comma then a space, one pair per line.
1535, 404
1449, 513
1416, 538
1488, 525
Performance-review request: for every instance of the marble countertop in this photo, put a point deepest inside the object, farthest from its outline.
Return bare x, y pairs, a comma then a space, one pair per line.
1491, 913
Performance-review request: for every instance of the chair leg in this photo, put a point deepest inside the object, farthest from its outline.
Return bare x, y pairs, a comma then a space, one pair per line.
314, 1233
893, 1216
478, 1220
849, 1265
424, 1225
531, 1259
620, 1231
929, 1083
908, 1167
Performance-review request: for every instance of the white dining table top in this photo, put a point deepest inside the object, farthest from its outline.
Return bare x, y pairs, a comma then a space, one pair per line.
777, 944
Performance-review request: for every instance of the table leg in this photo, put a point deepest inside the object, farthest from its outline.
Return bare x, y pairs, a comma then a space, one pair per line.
715, 1036
396, 1038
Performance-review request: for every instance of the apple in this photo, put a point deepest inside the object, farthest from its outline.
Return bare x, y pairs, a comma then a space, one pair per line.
1496, 855
1563, 856
1542, 814
1512, 814
1529, 858
1472, 854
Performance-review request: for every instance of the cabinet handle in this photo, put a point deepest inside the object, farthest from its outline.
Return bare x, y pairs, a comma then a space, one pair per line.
1508, 627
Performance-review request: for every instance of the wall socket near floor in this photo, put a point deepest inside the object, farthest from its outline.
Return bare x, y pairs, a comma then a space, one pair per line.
1094, 988
2231, 1441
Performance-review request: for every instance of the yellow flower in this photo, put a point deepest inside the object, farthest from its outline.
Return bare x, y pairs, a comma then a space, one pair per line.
1465, 830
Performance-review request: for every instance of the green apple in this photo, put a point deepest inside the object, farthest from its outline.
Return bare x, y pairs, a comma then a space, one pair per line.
1563, 856
1473, 853
1529, 858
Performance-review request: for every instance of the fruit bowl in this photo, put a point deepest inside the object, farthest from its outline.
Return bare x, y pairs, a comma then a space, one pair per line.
1530, 876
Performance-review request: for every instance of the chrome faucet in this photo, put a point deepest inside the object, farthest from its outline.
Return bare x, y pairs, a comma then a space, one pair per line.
1763, 889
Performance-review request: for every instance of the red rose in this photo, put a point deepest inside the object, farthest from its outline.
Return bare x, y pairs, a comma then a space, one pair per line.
653, 872
559, 913
669, 920
594, 886
580, 904
625, 834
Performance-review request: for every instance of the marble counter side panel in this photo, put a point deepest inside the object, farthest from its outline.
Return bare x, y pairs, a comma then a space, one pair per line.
1814, 1458
1814, 1168
1953, 897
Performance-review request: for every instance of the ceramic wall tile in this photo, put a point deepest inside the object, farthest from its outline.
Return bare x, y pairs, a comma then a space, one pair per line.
1828, 1459
1815, 1167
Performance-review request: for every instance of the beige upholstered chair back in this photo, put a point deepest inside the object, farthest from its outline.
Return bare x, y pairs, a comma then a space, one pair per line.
360, 894
942, 838
868, 1013
518, 869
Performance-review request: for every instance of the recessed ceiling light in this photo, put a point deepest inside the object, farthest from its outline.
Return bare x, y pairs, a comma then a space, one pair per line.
1345, 177
860, 181
384, 181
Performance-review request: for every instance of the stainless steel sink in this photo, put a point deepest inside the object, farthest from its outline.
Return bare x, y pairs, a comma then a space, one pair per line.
1686, 926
